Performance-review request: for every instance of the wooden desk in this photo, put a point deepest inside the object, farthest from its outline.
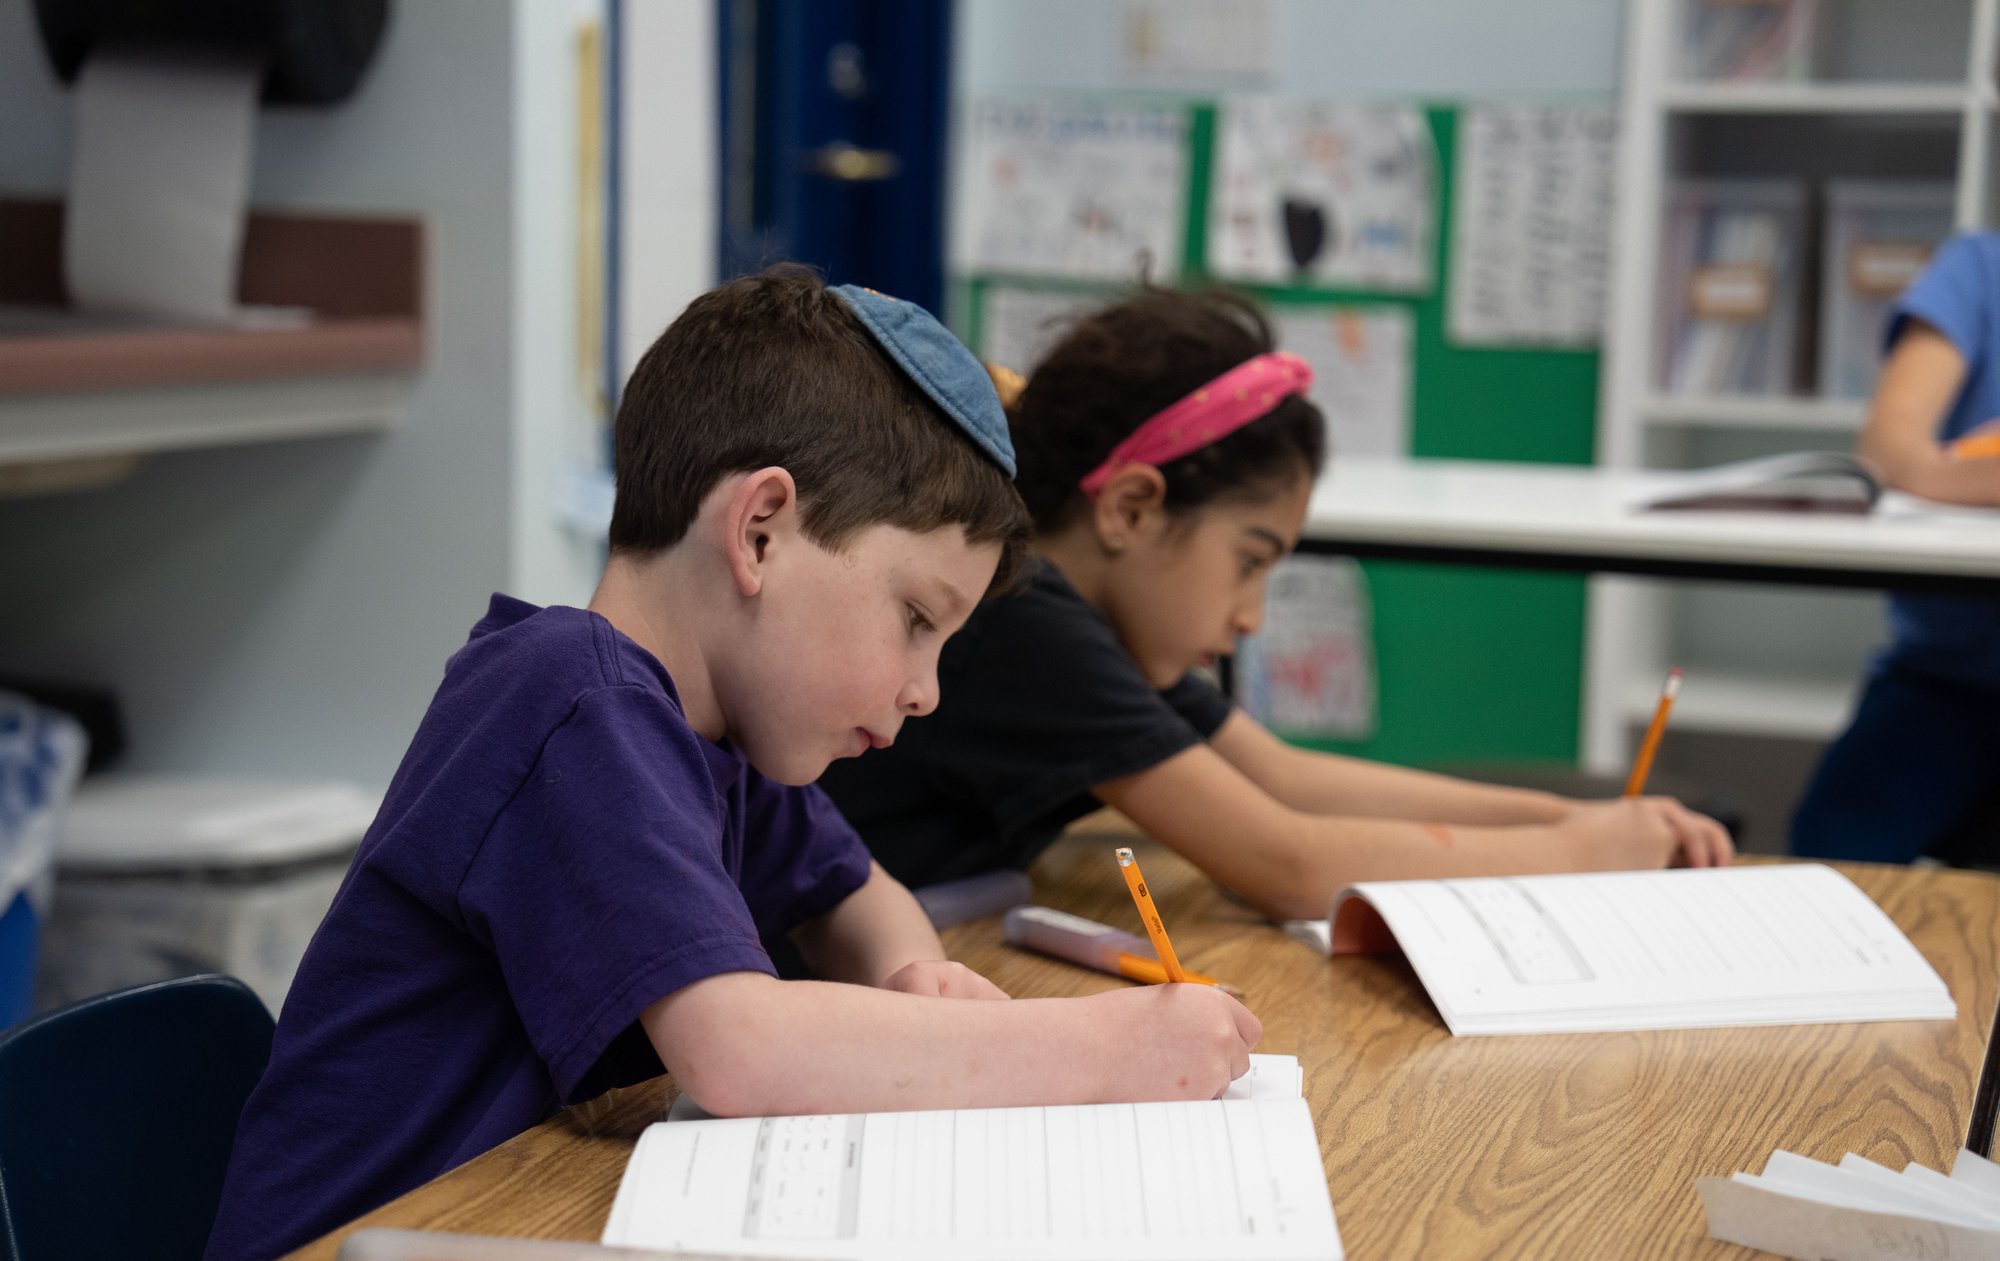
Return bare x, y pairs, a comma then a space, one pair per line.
1576, 518
1563, 1145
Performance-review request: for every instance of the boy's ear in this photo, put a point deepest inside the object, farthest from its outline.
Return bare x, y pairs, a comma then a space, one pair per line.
1133, 500
764, 506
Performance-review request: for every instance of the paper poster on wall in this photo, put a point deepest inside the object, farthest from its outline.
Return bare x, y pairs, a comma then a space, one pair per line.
1361, 357
1333, 196
1075, 189
1531, 225
1311, 670
1017, 326
1178, 43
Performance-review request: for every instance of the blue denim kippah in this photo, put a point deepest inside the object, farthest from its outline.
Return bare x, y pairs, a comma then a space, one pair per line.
940, 365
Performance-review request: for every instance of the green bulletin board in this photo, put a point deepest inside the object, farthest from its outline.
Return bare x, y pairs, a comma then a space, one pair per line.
1473, 664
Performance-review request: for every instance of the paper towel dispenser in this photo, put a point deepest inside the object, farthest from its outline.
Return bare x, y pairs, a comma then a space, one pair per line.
314, 51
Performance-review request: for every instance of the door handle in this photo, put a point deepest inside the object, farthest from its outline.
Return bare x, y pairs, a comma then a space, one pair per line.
850, 165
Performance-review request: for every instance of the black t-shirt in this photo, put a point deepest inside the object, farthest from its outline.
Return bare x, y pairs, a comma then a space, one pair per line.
1039, 703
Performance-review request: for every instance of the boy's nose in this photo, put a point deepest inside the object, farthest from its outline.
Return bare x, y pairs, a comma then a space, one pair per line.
919, 696
1248, 618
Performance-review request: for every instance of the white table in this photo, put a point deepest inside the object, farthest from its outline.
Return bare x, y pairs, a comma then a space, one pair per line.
1578, 518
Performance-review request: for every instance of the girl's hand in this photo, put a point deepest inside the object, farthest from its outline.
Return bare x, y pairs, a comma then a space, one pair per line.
1171, 1041
940, 978
1644, 833
1702, 841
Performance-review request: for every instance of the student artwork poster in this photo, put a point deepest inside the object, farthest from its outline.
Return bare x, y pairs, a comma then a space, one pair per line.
1321, 195
1074, 189
1361, 361
1531, 224
1018, 326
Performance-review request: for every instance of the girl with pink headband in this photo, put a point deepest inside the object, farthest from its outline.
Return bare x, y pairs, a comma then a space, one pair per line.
1167, 451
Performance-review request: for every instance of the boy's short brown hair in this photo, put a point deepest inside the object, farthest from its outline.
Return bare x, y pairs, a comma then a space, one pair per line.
774, 370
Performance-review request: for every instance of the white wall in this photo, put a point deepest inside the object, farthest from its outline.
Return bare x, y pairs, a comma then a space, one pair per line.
287, 609
671, 189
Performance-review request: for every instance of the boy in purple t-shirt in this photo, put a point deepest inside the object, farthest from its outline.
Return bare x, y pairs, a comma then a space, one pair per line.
605, 815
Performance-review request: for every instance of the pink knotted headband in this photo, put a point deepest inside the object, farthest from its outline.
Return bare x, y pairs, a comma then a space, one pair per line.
1216, 410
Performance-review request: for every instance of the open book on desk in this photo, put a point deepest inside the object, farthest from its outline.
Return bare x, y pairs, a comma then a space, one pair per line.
1803, 481
1236, 1177
1761, 945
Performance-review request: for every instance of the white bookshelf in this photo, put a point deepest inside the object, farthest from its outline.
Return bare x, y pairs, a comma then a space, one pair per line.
1897, 90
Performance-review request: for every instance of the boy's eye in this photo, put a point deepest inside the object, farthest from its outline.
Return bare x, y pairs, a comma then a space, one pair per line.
918, 622
1252, 563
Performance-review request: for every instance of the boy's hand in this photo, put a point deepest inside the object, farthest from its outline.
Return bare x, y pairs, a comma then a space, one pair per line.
1639, 833
1172, 1041
940, 978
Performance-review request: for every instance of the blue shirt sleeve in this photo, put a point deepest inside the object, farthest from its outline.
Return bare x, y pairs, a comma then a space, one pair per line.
1954, 294
604, 884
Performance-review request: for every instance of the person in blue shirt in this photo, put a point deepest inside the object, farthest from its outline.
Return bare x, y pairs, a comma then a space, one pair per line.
1918, 767
605, 822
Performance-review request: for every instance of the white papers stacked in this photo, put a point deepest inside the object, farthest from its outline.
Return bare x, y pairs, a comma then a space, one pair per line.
1858, 1210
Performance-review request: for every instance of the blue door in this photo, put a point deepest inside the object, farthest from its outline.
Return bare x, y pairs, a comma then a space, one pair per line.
833, 140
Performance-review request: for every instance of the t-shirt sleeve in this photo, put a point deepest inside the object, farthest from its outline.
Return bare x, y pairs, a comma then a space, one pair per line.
1046, 704
800, 857
1201, 703
602, 886
1954, 294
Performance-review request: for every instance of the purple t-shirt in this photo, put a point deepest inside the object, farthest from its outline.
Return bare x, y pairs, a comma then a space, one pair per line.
558, 850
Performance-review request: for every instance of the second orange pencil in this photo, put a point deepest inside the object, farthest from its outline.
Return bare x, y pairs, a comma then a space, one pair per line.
1642, 766
1128, 866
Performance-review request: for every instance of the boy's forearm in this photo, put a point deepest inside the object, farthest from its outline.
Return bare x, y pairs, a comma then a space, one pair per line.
875, 931
747, 1044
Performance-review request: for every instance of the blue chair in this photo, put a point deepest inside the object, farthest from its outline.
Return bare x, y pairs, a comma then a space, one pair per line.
116, 1118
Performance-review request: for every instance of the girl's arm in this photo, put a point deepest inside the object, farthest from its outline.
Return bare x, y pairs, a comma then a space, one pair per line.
1326, 783
1919, 383
1290, 862
746, 1044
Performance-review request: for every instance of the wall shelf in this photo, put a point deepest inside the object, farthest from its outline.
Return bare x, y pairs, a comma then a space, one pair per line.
1815, 98
1752, 412
77, 389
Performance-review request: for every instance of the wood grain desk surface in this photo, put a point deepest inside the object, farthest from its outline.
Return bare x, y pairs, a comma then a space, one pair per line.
1542, 1146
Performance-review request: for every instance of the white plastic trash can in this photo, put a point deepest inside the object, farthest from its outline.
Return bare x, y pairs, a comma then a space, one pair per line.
161, 876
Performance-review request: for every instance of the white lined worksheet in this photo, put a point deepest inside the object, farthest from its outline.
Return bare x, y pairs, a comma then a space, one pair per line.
1107, 1182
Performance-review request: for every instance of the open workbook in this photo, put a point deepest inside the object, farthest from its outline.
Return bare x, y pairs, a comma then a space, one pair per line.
1782, 944
1237, 1177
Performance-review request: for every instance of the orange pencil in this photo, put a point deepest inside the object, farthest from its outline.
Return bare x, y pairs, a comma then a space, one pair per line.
1981, 444
1149, 915
1642, 766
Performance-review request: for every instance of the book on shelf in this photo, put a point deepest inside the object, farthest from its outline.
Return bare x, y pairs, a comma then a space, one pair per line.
1709, 947
1239, 1176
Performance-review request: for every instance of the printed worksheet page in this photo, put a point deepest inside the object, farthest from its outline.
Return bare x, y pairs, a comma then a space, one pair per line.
1791, 944
1105, 1182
